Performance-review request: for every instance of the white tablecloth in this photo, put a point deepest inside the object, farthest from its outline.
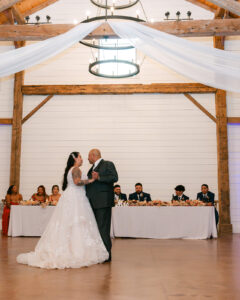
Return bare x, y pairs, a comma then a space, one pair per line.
164, 222
138, 222
29, 220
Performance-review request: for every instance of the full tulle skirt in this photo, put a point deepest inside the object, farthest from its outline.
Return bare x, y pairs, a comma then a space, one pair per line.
71, 238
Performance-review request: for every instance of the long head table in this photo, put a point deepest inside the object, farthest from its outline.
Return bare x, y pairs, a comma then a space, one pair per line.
164, 222
137, 222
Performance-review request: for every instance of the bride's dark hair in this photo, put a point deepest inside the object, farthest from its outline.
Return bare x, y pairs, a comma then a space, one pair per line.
70, 163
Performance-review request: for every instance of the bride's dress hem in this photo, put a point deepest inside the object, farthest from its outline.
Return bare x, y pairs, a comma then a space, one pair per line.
71, 238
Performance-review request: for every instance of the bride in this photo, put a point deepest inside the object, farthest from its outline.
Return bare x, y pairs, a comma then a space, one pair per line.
71, 238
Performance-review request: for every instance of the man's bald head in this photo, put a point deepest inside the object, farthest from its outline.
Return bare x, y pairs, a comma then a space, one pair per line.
94, 155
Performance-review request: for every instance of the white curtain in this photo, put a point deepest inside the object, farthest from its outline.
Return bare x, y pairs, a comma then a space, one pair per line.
22, 58
213, 67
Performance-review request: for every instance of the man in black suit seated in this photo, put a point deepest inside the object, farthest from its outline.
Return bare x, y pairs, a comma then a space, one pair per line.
139, 194
208, 197
179, 193
205, 195
118, 195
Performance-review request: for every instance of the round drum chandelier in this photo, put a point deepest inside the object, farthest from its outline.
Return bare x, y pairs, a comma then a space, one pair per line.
117, 65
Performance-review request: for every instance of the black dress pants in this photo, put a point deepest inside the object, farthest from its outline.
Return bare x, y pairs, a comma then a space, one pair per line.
103, 218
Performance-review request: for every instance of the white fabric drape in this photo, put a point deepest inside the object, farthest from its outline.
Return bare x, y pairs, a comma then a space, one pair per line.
213, 67
22, 58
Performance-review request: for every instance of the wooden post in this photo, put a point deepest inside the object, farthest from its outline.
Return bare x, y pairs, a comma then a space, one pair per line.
222, 153
222, 157
17, 130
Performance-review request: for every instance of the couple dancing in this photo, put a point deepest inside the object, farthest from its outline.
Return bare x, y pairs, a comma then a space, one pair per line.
78, 233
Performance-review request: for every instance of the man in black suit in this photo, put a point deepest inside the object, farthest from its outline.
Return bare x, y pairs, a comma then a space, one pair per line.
118, 195
100, 194
139, 194
208, 197
179, 193
205, 195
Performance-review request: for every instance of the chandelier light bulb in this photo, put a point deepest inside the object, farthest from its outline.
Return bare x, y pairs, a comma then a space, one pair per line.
112, 10
75, 21
88, 13
137, 13
152, 20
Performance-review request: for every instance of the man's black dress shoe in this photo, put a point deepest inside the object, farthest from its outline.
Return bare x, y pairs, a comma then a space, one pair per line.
109, 259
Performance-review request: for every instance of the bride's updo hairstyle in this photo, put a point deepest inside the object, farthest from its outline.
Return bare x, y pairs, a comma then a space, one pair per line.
70, 163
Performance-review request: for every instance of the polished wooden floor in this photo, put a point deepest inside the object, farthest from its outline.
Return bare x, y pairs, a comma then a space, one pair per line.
141, 269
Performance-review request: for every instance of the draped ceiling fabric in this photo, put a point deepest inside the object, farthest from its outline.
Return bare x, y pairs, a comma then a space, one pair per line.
20, 59
213, 67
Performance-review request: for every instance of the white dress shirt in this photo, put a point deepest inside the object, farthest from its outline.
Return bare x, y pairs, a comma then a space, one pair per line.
96, 163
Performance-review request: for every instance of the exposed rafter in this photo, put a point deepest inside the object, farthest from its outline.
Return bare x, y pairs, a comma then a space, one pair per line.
5, 4
210, 6
230, 5
204, 4
17, 15
26, 7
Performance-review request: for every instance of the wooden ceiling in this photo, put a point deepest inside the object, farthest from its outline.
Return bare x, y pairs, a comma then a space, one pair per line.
11, 10
21, 8
210, 6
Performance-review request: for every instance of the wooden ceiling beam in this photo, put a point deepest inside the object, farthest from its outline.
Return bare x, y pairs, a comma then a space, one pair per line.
5, 4
17, 15
5, 121
233, 120
197, 28
26, 7
204, 4
209, 6
115, 89
230, 5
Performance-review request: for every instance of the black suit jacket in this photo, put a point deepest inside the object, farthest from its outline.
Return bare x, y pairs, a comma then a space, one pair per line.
143, 196
210, 197
123, 197
100, 193
184, 198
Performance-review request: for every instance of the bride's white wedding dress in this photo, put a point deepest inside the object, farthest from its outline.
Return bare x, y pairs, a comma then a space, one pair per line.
71, 238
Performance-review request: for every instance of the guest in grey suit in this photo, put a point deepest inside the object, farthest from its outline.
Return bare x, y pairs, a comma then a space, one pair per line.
101, 195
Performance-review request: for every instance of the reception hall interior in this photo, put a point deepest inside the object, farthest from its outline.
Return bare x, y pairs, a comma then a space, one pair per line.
154, 85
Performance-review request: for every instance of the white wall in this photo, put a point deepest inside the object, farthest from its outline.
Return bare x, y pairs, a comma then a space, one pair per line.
233, 101
160, 140
6, 101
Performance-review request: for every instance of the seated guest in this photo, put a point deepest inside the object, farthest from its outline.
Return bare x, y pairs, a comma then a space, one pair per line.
118, 195
55, 195
41, 195
179, 193
139, 194
12, 198
208, 197
205, 195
